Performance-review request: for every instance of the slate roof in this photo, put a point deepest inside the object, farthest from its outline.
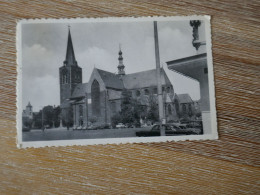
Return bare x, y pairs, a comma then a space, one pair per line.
80, 90
144, 79
70, 56
137, 80
184, 98
111, 80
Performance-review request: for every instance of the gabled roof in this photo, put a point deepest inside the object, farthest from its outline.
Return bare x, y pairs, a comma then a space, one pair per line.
184, 98
137, 80
111, 80
144, 79
80, 90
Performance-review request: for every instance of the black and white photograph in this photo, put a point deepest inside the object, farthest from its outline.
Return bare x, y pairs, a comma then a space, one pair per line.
114, 80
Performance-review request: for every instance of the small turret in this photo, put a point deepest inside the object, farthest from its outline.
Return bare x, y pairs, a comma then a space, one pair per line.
29, 107
28, 111
121, 66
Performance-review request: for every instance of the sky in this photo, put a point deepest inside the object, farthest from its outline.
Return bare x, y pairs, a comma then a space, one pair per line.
96, 44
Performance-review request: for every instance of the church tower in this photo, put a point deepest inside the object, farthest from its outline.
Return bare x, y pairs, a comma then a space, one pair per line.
29, 107
29, 110
70, 73
121, 66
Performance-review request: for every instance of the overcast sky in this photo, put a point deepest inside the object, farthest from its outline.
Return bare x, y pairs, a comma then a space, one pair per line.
97, 44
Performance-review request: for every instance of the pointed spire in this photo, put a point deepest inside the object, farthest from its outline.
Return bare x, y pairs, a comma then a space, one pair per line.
70, 56
29, 104
120, 52
120, 66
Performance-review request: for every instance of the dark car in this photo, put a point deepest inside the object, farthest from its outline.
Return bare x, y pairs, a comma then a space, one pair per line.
187, 127
170, 130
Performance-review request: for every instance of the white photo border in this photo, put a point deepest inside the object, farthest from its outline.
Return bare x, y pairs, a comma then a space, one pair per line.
37, 144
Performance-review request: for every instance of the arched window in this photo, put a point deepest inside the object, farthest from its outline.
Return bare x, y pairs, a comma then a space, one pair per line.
95, 97
155, 91
183, 108
169, 109
146, 92
64, 78
67, 79
113, 108
163, 89
176, 105
80, 110
168, 89
138, 93
190, 109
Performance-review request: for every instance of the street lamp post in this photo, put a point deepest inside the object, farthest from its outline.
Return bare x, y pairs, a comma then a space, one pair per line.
158, 75
86, 103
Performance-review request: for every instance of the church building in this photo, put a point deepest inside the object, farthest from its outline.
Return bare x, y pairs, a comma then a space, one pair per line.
28, 112
100, 98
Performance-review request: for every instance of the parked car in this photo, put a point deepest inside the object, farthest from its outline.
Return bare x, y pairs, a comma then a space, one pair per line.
92, 127
104, 126
187, 127
170, 130
84, 127
144, 125
131, 126
182, 126
195, 126
98, 126
120, 125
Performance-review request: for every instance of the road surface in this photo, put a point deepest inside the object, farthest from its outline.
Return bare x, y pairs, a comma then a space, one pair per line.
64, 134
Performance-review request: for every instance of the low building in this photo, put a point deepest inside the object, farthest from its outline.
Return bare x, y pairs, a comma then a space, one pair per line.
187, 107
